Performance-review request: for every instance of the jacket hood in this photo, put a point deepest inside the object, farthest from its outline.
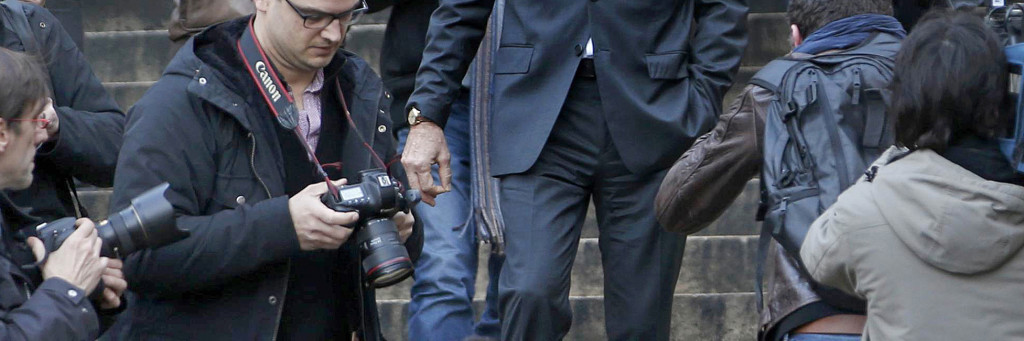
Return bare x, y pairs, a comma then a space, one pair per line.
949, 217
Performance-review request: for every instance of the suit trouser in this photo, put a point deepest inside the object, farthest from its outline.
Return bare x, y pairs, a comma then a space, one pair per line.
544, 209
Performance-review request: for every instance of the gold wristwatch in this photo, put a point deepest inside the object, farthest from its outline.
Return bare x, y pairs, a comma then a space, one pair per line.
415, 117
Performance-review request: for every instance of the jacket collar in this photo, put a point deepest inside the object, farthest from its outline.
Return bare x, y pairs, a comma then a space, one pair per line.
212, 62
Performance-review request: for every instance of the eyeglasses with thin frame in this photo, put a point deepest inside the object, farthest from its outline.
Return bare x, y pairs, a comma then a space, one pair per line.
317, 21
41, 123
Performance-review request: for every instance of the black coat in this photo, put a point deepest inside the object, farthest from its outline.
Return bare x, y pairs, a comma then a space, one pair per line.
204, 128
91, 123
662, 69
402, 50
30, 308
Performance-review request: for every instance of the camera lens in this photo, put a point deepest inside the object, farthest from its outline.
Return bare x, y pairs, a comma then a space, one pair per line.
147, 223
385, 259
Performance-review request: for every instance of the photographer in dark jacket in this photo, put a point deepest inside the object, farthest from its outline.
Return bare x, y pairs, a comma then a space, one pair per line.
85, 123
265, 258
50, 304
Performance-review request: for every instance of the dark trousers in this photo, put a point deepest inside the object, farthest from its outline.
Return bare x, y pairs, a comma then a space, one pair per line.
544, 209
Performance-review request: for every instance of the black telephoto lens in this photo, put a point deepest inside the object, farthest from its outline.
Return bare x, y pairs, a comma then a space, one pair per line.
147, 223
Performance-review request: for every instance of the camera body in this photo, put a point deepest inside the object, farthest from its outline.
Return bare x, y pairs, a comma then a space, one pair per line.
377, 198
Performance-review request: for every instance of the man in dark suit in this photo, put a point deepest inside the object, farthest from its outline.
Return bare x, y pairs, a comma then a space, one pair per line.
592, 98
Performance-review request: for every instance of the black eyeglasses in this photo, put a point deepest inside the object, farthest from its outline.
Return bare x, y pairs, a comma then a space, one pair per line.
318, 21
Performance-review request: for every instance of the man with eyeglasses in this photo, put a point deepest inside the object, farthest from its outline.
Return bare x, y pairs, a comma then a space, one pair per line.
591, 99
239, 125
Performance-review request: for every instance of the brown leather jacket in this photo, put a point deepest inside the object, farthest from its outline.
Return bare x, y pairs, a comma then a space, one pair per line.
708, 178
192, 16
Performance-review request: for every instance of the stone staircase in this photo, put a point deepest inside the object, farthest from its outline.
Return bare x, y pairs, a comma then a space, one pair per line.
126, 43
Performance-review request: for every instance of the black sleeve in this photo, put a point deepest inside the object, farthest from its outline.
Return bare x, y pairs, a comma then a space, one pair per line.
378, 5
716, 49
389, 153
456, 29
56, 310
91, 123
221, 246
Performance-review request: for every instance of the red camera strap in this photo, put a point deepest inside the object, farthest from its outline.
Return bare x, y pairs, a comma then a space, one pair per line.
275, 93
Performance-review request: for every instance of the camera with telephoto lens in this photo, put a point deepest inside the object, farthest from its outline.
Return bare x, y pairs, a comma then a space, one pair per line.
377, 198
147, 223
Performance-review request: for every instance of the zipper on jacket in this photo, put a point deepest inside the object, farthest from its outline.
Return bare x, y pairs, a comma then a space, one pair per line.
252, 163
288, 266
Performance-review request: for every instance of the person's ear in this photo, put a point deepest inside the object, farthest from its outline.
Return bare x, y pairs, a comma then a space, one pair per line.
794, 36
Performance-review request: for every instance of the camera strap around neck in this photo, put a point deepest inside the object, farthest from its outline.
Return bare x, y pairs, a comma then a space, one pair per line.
282, 104
275, 93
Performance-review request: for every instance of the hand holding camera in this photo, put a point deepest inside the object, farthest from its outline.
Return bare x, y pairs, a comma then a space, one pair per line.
316, 226
379, 199
78, 260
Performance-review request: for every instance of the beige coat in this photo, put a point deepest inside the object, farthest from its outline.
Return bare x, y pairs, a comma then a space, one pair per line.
932, 247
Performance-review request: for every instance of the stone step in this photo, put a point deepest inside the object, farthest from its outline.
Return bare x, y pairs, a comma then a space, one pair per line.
768, 38
716, 264
720, 317
126, 15
128, 56
127, 93
142, 55
133, 15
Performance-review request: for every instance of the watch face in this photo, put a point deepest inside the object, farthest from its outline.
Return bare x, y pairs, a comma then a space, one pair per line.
413, 115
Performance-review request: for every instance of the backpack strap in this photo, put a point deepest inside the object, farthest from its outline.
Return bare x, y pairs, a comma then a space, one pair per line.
770, 76
15, 15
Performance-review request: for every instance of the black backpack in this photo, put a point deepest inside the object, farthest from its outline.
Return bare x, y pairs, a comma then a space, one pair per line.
826, 123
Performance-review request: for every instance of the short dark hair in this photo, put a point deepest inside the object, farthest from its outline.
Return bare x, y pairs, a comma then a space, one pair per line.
810, 15
950, 82
22, 86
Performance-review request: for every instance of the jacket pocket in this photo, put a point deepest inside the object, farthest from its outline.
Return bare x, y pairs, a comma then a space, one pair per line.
670, 65
513, 59
232, 191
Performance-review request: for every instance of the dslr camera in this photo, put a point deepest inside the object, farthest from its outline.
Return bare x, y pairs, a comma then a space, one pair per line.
147, 223
377, 198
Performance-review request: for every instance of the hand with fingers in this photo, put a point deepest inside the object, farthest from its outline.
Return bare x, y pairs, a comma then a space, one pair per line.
114, 284
53, 124
425, 147
404, 222
78, 260
317, 226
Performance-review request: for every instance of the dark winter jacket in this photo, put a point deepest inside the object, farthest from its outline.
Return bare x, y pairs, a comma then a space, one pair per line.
204, 128
91, 123
30, 308
404, 41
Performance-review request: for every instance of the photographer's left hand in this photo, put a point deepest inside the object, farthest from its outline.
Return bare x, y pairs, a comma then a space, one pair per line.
50, 114
404, 221
114, 284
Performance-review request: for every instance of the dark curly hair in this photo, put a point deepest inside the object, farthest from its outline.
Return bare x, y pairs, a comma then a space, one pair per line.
810, 15
950, 81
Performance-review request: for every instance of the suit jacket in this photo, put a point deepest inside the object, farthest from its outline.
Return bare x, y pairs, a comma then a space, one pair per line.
663, 67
